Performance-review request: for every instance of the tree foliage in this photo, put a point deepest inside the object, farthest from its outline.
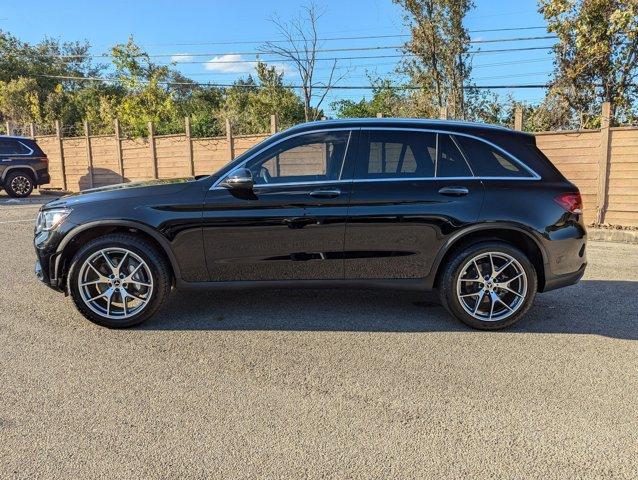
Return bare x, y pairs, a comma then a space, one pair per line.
57, 81
596, 60
438, 53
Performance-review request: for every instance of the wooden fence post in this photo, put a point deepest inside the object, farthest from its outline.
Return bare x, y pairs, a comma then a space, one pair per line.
273, 129
32, 130
603, 163
189, 145
230, 140
443, 113
58, 135
89, 153
118, 147
151, 142
518, 118
8, 127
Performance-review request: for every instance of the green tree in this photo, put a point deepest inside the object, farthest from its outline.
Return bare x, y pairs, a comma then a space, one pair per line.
19, 102
387, 100
147, 97
596, 60
250, 102
438, 54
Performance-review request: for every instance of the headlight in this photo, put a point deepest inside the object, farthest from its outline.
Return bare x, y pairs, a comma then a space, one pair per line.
49, 219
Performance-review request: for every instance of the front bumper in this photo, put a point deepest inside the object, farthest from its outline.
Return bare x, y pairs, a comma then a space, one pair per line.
45, 271
48, 259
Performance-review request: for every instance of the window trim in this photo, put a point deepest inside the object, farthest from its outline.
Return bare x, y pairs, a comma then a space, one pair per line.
215, 185
534, 175
17, 154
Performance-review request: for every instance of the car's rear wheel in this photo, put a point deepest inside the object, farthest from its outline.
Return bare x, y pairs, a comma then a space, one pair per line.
19, 184
488, 285
118, 280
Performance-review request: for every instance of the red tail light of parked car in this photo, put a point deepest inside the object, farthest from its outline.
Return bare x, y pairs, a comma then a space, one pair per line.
572, 202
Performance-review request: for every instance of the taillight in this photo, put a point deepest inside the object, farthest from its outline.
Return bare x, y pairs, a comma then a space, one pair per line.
572, 202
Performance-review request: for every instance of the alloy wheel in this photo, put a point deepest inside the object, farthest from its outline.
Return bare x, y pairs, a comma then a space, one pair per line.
115, 283
21, 184
492, 286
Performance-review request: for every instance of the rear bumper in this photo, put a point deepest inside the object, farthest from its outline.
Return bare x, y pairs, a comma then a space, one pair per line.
43, 178
559, 281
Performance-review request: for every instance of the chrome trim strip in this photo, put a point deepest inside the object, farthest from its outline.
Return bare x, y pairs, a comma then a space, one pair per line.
371, 180
535, 176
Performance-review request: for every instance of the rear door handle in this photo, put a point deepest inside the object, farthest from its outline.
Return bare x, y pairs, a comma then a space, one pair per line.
454, 191
325, 193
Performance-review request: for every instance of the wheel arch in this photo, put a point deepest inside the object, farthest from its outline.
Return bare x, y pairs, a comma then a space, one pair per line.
26, 168
86, 232
513, 234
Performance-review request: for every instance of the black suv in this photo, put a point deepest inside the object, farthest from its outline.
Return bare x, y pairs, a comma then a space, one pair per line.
23, 166
475, 212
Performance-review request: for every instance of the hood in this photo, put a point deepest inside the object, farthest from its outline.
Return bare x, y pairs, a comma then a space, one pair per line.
123, 190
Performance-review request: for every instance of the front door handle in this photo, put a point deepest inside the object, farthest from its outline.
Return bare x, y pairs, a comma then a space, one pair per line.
454, 191
325, 193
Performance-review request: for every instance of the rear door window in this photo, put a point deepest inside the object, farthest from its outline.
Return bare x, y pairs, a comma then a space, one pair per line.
488, 161
396, 154
450, 160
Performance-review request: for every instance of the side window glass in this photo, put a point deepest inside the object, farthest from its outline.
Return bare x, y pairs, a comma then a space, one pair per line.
12, 147
396, 154
306, 158
487, 161
450, 162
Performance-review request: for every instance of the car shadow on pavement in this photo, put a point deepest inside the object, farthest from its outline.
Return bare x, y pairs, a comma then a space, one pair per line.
597, 307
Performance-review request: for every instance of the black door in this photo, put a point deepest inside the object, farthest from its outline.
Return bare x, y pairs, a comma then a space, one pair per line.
410, 190
291, 226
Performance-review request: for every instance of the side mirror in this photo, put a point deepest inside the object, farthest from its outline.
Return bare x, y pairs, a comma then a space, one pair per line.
239, 179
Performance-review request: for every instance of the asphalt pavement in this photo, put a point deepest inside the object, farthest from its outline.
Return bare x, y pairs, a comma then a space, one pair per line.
317, 383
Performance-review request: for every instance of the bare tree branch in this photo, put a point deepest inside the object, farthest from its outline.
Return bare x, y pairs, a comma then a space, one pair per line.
301, 42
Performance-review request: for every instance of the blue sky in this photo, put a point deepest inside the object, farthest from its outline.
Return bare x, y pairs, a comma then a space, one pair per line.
189, 27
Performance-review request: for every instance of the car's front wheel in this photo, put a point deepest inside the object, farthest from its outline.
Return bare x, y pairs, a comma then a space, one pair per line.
118, 280
489, 285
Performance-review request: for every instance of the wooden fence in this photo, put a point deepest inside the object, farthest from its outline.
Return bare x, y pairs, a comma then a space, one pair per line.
603, 163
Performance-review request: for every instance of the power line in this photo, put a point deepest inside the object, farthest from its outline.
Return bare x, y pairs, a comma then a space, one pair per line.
328, 39
364, 57
274, 52
317, 87
384, 64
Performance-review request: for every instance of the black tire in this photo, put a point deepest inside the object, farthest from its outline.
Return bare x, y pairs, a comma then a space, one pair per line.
159, 270
453, 269
19, 184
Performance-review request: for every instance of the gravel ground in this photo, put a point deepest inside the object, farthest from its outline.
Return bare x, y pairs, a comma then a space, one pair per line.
317, 384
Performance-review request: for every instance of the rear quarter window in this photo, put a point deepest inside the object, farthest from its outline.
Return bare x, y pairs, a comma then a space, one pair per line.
488, 161
13, 147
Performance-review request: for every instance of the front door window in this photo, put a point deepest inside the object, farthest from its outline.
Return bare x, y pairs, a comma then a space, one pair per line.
315, 157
